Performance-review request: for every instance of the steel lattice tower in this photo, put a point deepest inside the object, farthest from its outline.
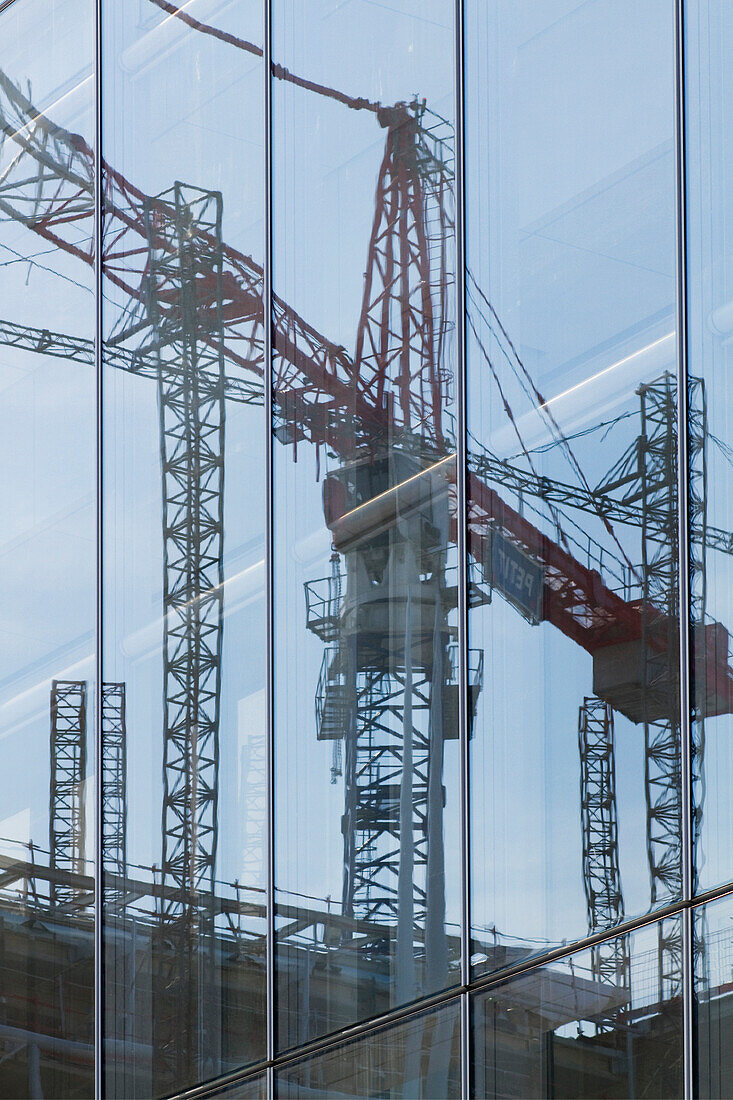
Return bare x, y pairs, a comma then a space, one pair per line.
386, 770
647, 474
660, 646
407, 312
697, 433
114, 794
388, 695
68, 771
184, 234
601, 874
697, 439
385, 685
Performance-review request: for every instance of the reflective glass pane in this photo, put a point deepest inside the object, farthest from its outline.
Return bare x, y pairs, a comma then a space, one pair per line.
596, 1024
419, 1058
366, 750
254, 1088
713, 989
575, 754
184, 731
709, 161
47, 548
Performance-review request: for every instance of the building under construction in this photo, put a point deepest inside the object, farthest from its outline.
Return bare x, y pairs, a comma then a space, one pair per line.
366, 690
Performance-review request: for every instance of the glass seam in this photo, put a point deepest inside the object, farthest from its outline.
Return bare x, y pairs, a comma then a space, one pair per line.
461, 542
269, 660
684, 551
99, 580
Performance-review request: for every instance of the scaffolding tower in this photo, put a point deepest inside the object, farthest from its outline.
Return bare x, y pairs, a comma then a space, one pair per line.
67, 831
114, 794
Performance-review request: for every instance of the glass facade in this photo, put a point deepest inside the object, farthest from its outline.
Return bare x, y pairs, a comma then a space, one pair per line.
367, 512
571, 348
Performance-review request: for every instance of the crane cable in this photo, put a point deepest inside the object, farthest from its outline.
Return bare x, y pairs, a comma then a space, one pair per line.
544, 407
508, 410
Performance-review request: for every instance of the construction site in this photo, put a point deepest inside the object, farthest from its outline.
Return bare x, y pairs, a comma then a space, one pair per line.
439, 535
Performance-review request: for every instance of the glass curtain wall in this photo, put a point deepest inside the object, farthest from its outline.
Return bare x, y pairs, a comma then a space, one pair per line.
709, 150
709, 157
576, 792
558, 1031
184, 870
48, 521
713, 985
277, 382
418, 1057
366, 753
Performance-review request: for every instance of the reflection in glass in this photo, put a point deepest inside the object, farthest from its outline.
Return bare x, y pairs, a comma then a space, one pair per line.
366, 686
709, 163
184, 808
419, 1058
568, 1030
254, 1088
713, 1019
571, 298
47, 549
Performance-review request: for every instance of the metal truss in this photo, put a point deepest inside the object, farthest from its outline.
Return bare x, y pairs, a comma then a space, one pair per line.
389, 720
114, 794
601, 874
647, 476
186, 254
394, 871
699, 543
406, 315
660, 645
67, 834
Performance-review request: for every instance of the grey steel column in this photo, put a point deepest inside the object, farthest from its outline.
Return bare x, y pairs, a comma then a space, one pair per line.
267, 379
97, 710
684, 553
461, 545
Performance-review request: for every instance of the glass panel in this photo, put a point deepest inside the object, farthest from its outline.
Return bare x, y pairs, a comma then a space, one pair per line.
254, 1088
709, 145
47, 548
184, 869
596, 1024
572, 444
713, 959
364, 465
419, 1058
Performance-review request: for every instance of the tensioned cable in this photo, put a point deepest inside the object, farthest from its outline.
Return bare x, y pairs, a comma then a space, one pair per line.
544, 408
508, 410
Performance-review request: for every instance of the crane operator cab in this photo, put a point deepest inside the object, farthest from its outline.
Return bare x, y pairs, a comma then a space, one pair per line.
389, 519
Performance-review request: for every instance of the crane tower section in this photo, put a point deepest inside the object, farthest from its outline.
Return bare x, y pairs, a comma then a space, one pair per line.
388, 688
67, 833
407, 313
114, 794
184, 235
601, 873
